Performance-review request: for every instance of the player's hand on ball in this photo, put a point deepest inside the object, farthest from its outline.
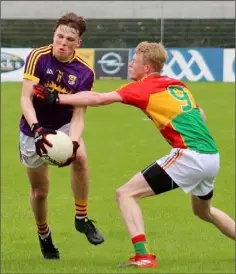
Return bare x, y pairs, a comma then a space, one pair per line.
40, 134
47, 95
73, 157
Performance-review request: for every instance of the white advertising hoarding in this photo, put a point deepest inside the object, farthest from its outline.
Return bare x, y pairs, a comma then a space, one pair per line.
229, 65
13, 63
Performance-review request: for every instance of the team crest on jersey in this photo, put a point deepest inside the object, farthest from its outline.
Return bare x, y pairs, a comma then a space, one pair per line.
72, 79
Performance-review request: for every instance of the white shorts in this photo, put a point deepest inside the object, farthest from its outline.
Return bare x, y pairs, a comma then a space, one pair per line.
28, 155
192, 171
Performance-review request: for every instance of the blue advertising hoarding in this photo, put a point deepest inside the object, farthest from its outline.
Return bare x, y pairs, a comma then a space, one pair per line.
193, 64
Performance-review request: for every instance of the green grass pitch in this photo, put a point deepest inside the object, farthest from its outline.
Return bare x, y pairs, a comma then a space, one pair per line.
120, 142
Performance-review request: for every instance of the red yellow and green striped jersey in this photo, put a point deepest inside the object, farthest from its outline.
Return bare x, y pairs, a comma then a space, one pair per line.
172, 108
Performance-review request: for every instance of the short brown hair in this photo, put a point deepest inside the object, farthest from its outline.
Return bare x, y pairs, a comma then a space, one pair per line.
74, 21
154, 53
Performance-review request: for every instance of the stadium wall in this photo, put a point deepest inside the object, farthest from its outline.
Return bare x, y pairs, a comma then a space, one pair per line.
123, 24
186, 64
126, 33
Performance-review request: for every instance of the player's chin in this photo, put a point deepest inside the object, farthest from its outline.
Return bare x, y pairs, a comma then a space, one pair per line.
60, 53
133, 78
62, 56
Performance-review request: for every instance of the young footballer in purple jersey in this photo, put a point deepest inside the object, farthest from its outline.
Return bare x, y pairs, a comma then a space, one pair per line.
59, 68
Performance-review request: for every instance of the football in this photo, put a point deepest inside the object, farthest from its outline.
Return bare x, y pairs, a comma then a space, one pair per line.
61, 150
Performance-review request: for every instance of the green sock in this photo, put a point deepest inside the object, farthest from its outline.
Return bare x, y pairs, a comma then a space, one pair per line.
139, 243
140, 248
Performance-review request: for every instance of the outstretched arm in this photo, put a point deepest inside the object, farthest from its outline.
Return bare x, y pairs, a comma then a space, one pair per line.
80, 99
92, 99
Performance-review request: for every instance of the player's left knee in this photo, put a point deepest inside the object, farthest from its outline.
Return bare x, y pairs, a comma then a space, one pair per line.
203, 215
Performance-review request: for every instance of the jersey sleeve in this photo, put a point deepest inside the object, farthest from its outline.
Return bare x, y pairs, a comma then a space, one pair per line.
32, 69
134, 94
87, 81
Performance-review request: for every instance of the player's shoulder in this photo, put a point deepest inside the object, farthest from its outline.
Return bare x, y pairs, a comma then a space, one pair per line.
36, 53
88, 70
123, 86
128, 86
166, 81
41, 50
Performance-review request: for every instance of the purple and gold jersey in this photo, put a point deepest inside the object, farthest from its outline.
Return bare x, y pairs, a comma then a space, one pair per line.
66, 78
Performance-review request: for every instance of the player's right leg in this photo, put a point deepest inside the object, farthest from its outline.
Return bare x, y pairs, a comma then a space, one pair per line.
37, 173
202, 208
80, 188
195, 173
201, 197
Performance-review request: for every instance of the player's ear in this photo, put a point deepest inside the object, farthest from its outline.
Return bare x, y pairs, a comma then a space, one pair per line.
79, 43
53, 38
147, 68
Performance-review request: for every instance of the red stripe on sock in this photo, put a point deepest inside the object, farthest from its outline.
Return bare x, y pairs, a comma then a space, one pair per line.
78, 205
139, 238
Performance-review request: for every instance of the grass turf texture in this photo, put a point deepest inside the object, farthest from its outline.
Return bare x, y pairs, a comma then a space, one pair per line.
120, 142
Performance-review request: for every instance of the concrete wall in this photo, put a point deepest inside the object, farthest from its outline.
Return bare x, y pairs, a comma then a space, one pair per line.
117, 9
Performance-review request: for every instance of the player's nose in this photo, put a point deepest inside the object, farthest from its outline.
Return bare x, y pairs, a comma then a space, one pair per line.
64, 42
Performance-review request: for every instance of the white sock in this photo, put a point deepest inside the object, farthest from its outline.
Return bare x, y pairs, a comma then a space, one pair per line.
44, 236
81, 218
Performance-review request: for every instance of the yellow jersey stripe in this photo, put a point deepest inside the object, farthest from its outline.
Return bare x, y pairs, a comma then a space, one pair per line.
31, 78
34, 57
82, 60
87, 65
